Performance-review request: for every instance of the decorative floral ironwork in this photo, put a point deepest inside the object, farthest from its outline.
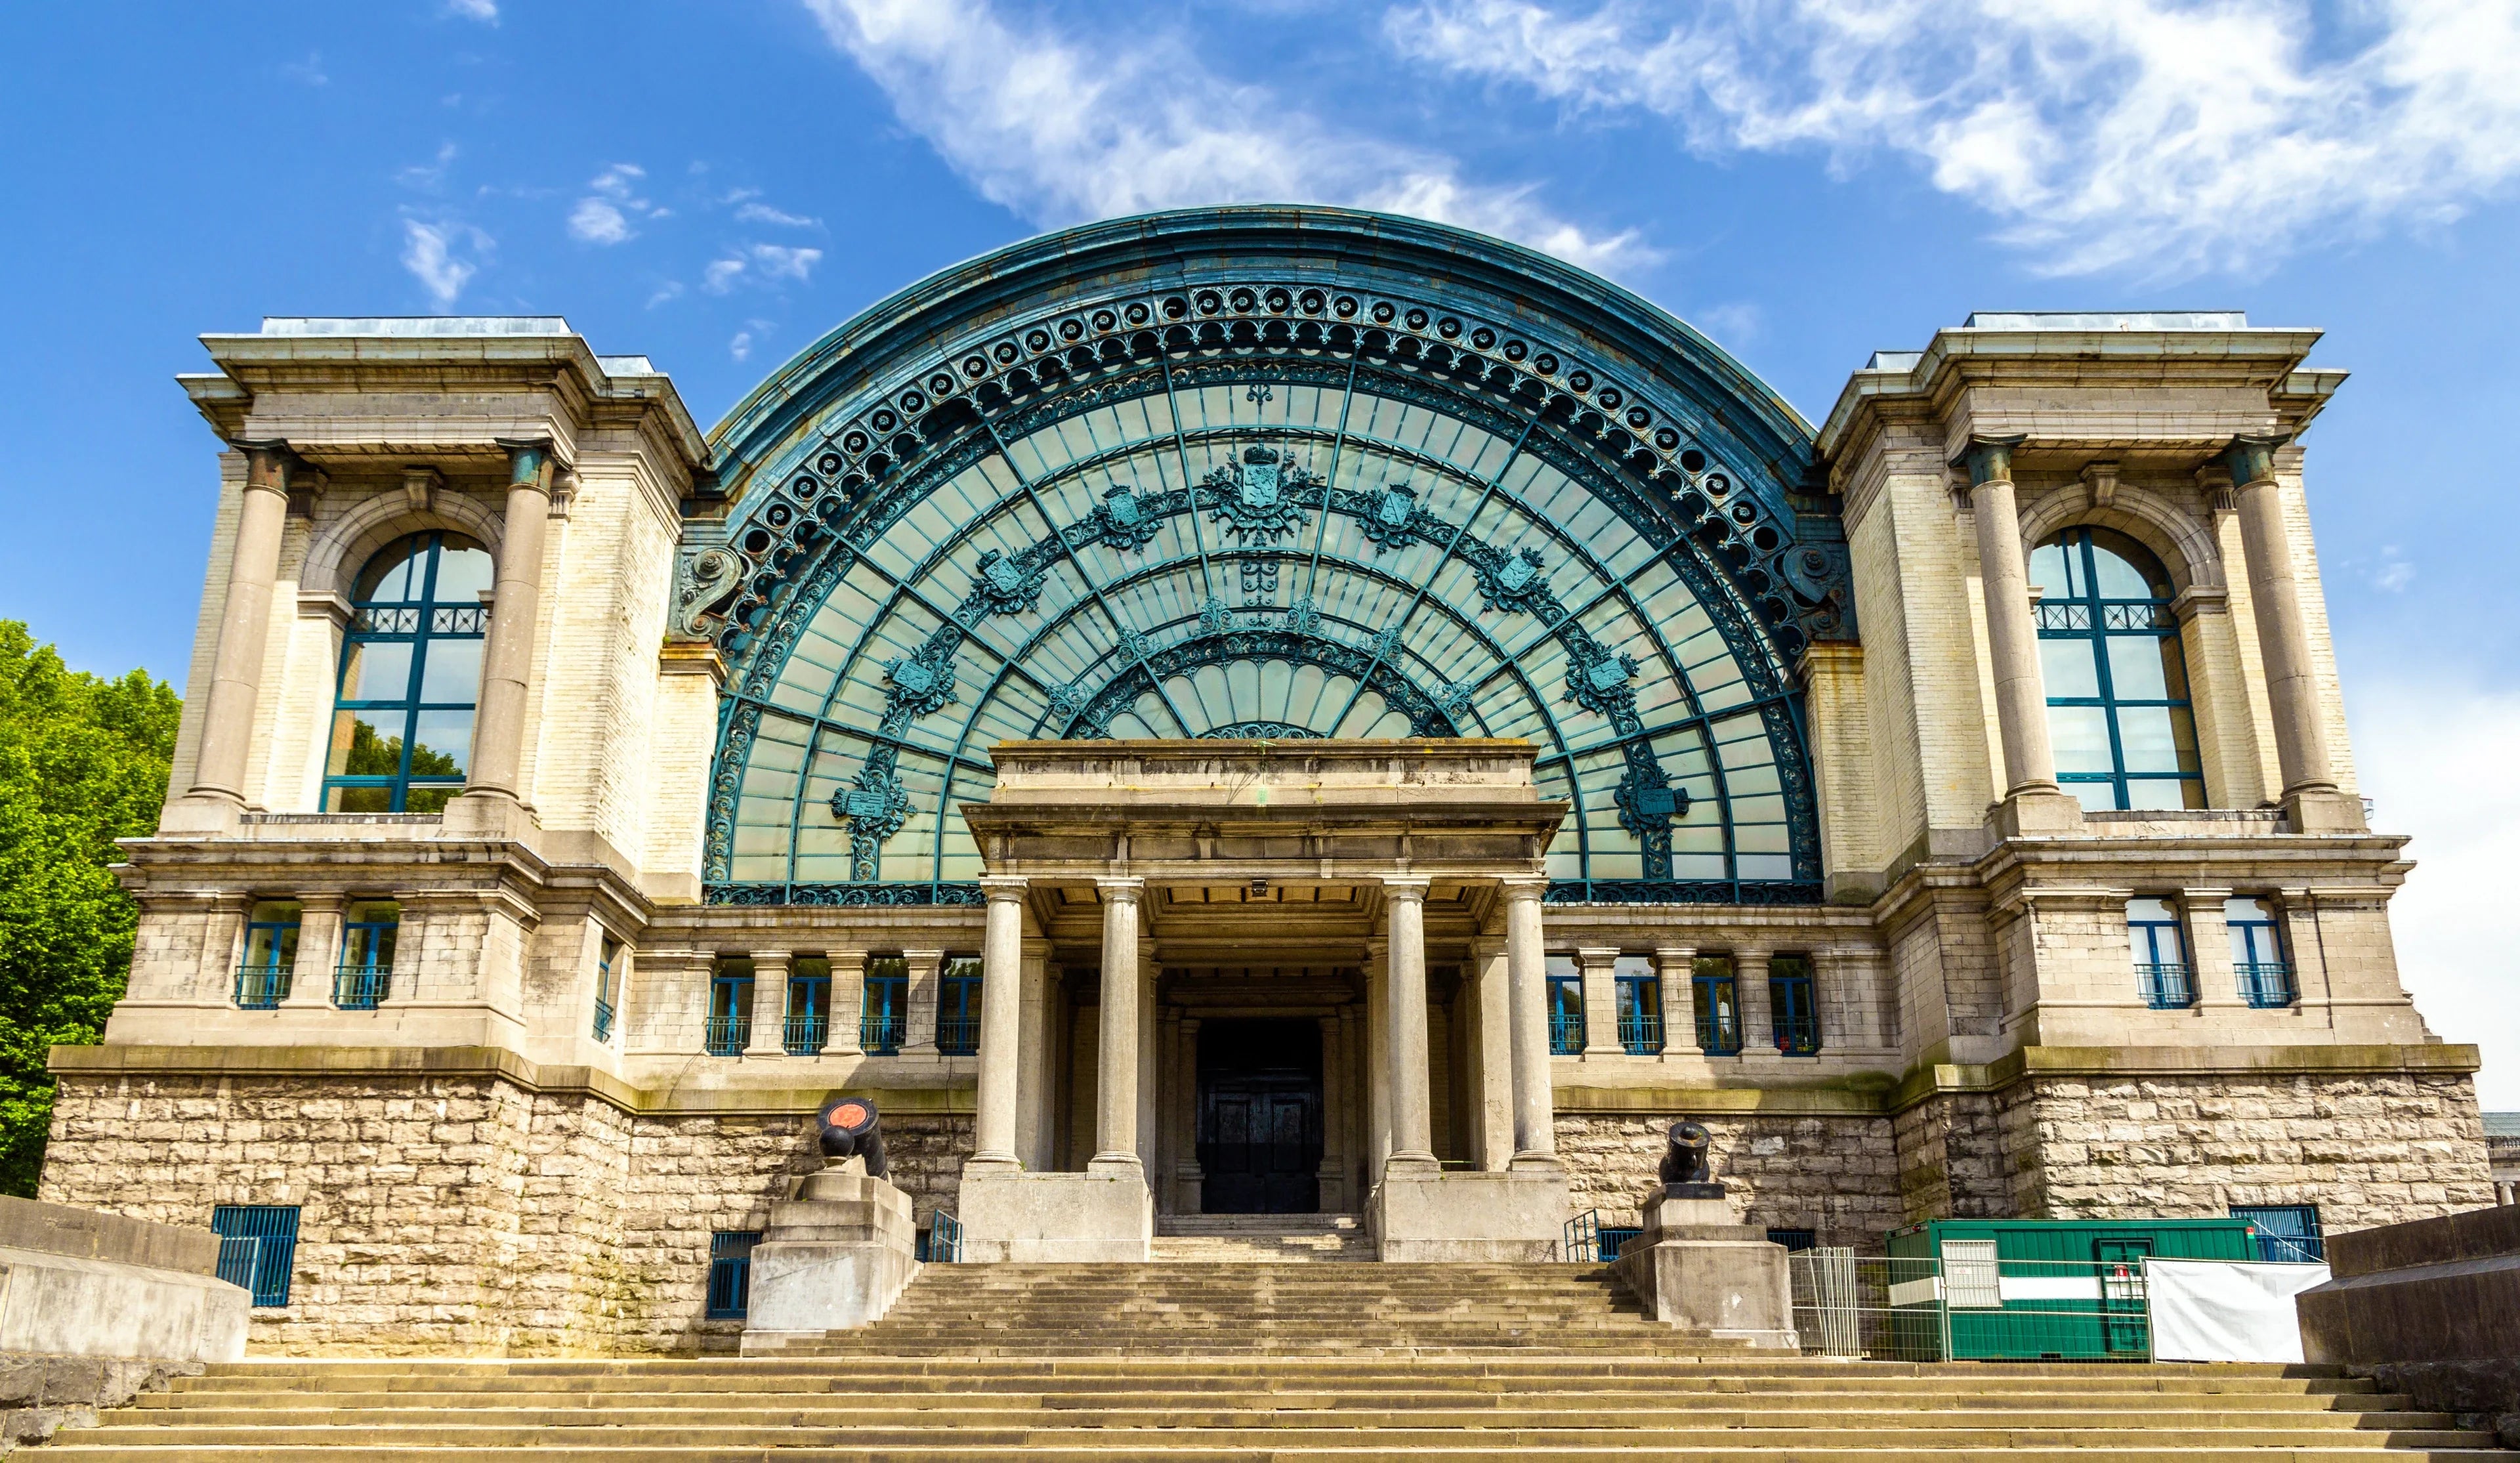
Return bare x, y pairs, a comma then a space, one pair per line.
1261, 731
1256, 498
875, 808
1390, 518
710, 578
1009, 586
1598, 678
922, 681
1509, 583
1122, 522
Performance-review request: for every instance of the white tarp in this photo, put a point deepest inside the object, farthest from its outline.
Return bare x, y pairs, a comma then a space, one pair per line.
2227, 1311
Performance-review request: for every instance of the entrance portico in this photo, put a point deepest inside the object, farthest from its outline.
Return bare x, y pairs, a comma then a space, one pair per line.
1268, 955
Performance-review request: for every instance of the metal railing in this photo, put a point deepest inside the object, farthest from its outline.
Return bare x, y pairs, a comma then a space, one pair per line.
238, 1256
1798, 1036
2264, 984
1587, 1241
881, 1034
1641, 1032
945, 1240
728, 1036
1566, 1033
361, 988
957, 1036
2167, 987
603, 1019
260, 987
1719, 1036
806, 1035
1970, 1308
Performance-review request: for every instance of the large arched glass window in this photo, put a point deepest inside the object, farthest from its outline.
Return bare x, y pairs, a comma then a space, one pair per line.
2117, 684
411, 672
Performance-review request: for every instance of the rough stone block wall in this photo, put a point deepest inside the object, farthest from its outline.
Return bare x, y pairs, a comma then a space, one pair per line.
1835, 1175
1950, 1160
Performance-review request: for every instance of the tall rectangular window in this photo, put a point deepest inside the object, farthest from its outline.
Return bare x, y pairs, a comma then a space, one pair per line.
365, 975
886, 1022
2160, 972
2287, 1233
409, 679
730, 1010
957, 1007
1793, 1006
1565, 1007
2258, 953
1640, 1005
730, 1275
1715, 999
257, 1247
809, 1007
607, 987
270, 960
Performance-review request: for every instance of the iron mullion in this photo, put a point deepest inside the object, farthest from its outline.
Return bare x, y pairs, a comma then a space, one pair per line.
1189, 484
1330, 482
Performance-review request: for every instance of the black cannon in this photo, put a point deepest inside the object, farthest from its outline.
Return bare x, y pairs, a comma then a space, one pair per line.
851, 1128
1684, 1160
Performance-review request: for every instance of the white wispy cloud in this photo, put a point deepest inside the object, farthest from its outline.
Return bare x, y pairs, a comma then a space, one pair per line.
741, 347
429, 177
484, 10
429, 252
612, 200
2158, 135
598, 221
762, 262
1065, 127
307, 72
764, 214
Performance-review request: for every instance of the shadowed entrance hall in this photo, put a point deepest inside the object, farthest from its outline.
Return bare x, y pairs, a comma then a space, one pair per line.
1260, 1116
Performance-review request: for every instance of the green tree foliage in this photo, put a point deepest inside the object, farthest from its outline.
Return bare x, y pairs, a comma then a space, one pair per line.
82, 763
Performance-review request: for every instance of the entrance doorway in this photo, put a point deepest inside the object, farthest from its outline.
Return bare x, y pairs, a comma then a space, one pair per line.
1260, 1116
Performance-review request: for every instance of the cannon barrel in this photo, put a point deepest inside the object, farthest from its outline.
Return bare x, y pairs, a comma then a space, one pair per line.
851, 1128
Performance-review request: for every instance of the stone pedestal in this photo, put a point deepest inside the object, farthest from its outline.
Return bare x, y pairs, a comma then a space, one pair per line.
1516, 1216
835, 1256
1701, 1271
1078, 1218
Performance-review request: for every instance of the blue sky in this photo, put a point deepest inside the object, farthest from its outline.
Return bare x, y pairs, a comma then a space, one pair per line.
717, 184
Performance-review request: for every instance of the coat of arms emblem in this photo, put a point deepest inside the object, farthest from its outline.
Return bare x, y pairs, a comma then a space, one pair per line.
1256, 497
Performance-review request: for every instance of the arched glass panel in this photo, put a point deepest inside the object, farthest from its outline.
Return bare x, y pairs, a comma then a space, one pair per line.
411, 673
2118, 708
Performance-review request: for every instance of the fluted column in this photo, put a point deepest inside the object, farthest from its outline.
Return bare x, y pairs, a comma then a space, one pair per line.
1535, 1120
1115, 1136
1413, 1140
993, 1142
507, 661
245, 627
2283, 636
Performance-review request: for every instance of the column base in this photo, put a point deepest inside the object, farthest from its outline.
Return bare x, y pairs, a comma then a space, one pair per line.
835, 1256
488, 815
199, 813
1513, 1218
1069, 1218
2322, 811
2035, 812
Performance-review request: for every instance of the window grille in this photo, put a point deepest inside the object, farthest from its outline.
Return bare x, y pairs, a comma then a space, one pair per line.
809, 1009
2118, 709
257, 1247
410, 677
730, 1274
264, 976
884, 1023
1639, 992
2265, 976
607, 967
1793, 1006
364, 978
1971, 1277
1715, 1000
958, 1008
2160, 946
1795, 1240
1565, 1008
729, 1014
2287, 1233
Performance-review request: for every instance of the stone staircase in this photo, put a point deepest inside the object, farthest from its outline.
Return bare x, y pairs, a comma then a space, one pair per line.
1245, 1238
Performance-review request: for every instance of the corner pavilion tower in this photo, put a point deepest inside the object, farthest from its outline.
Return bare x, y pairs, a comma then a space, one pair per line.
1257, 708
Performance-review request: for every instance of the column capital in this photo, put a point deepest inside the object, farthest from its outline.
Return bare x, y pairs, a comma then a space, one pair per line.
529, 463
1524, 888
1989, 459
1406, 887
2251, 460
1005, 887
1118, 891
268, 462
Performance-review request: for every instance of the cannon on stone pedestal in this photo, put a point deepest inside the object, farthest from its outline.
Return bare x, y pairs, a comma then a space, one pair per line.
852, 1129
1684, 1162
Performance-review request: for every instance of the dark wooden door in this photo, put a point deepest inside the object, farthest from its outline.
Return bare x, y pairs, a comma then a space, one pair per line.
1260, 1118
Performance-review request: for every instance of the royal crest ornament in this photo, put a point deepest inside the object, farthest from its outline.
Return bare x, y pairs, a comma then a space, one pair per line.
1256, 498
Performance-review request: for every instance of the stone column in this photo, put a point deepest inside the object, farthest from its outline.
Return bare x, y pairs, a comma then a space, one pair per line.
848, 1004
1535, 1118
1335, 1122
1492, 1001
1032, 1073
2208, 948
1675, 966
924, 993
1150, 1047
1601, 1002
1377, 1056
2284, 643
1750, 995
319, 949
515, 606
993, 1129
244, 627
2032, 801
1115, 1137
769, 1005
1413, 1140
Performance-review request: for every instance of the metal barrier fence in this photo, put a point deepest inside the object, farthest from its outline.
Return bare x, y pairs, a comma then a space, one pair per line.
1969, 1305
944, 1239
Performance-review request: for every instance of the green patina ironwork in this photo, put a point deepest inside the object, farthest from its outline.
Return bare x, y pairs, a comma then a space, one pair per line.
1263, 471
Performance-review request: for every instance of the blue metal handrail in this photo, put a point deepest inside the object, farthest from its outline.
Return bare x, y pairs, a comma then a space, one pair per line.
2266, 983
945, 1239
2167, 985
1641, 1032
957, 1036
729, 1035
806, 1035
260, 987
1719, 1035
1798, 1036
603, 1019
361, 988
881, 1034
1566, 1033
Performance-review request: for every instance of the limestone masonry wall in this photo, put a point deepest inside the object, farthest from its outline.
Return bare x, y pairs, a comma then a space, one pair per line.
1835, 1175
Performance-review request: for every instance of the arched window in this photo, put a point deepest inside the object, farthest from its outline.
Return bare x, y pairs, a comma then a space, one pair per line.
411, 672
2117, 683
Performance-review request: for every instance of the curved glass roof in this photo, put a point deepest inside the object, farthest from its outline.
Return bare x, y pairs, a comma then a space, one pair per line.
1284, 497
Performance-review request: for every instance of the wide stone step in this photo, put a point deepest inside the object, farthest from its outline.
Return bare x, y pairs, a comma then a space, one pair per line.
1161, 1449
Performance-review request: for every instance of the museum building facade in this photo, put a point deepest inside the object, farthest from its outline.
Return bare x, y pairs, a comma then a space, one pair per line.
1249, 710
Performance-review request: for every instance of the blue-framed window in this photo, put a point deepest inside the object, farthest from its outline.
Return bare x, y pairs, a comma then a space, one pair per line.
2162, 974
365, 975
885, 1023
730, 1273
1639, 988
1565, 1007
730, 1008
2258, 953
410, 676
809, 1007
2287, 1233
2118, 709
257, 1247
1793, 1006
264, 975
1715, 998
957, 1007
607, 987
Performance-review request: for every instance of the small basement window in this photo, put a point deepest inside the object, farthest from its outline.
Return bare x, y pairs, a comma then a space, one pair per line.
257, 1247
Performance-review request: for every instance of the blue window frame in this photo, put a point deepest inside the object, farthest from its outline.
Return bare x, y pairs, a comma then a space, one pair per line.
730, 1273
365, 975
2160, 944
2118, 709
884, 1023
1715, 998
264, 975
809, 1008
257, 1247
411, 676
957, 1007
730, 1010
1565, 1007
1640, 990
2258, 953
1793, 1007
2287, 1233
607, 987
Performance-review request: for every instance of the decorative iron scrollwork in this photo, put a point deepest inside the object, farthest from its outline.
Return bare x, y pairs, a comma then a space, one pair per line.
1509, 583
1009, 586
710, 578
1123, 522
922, 681
1256, 498
1390, 518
